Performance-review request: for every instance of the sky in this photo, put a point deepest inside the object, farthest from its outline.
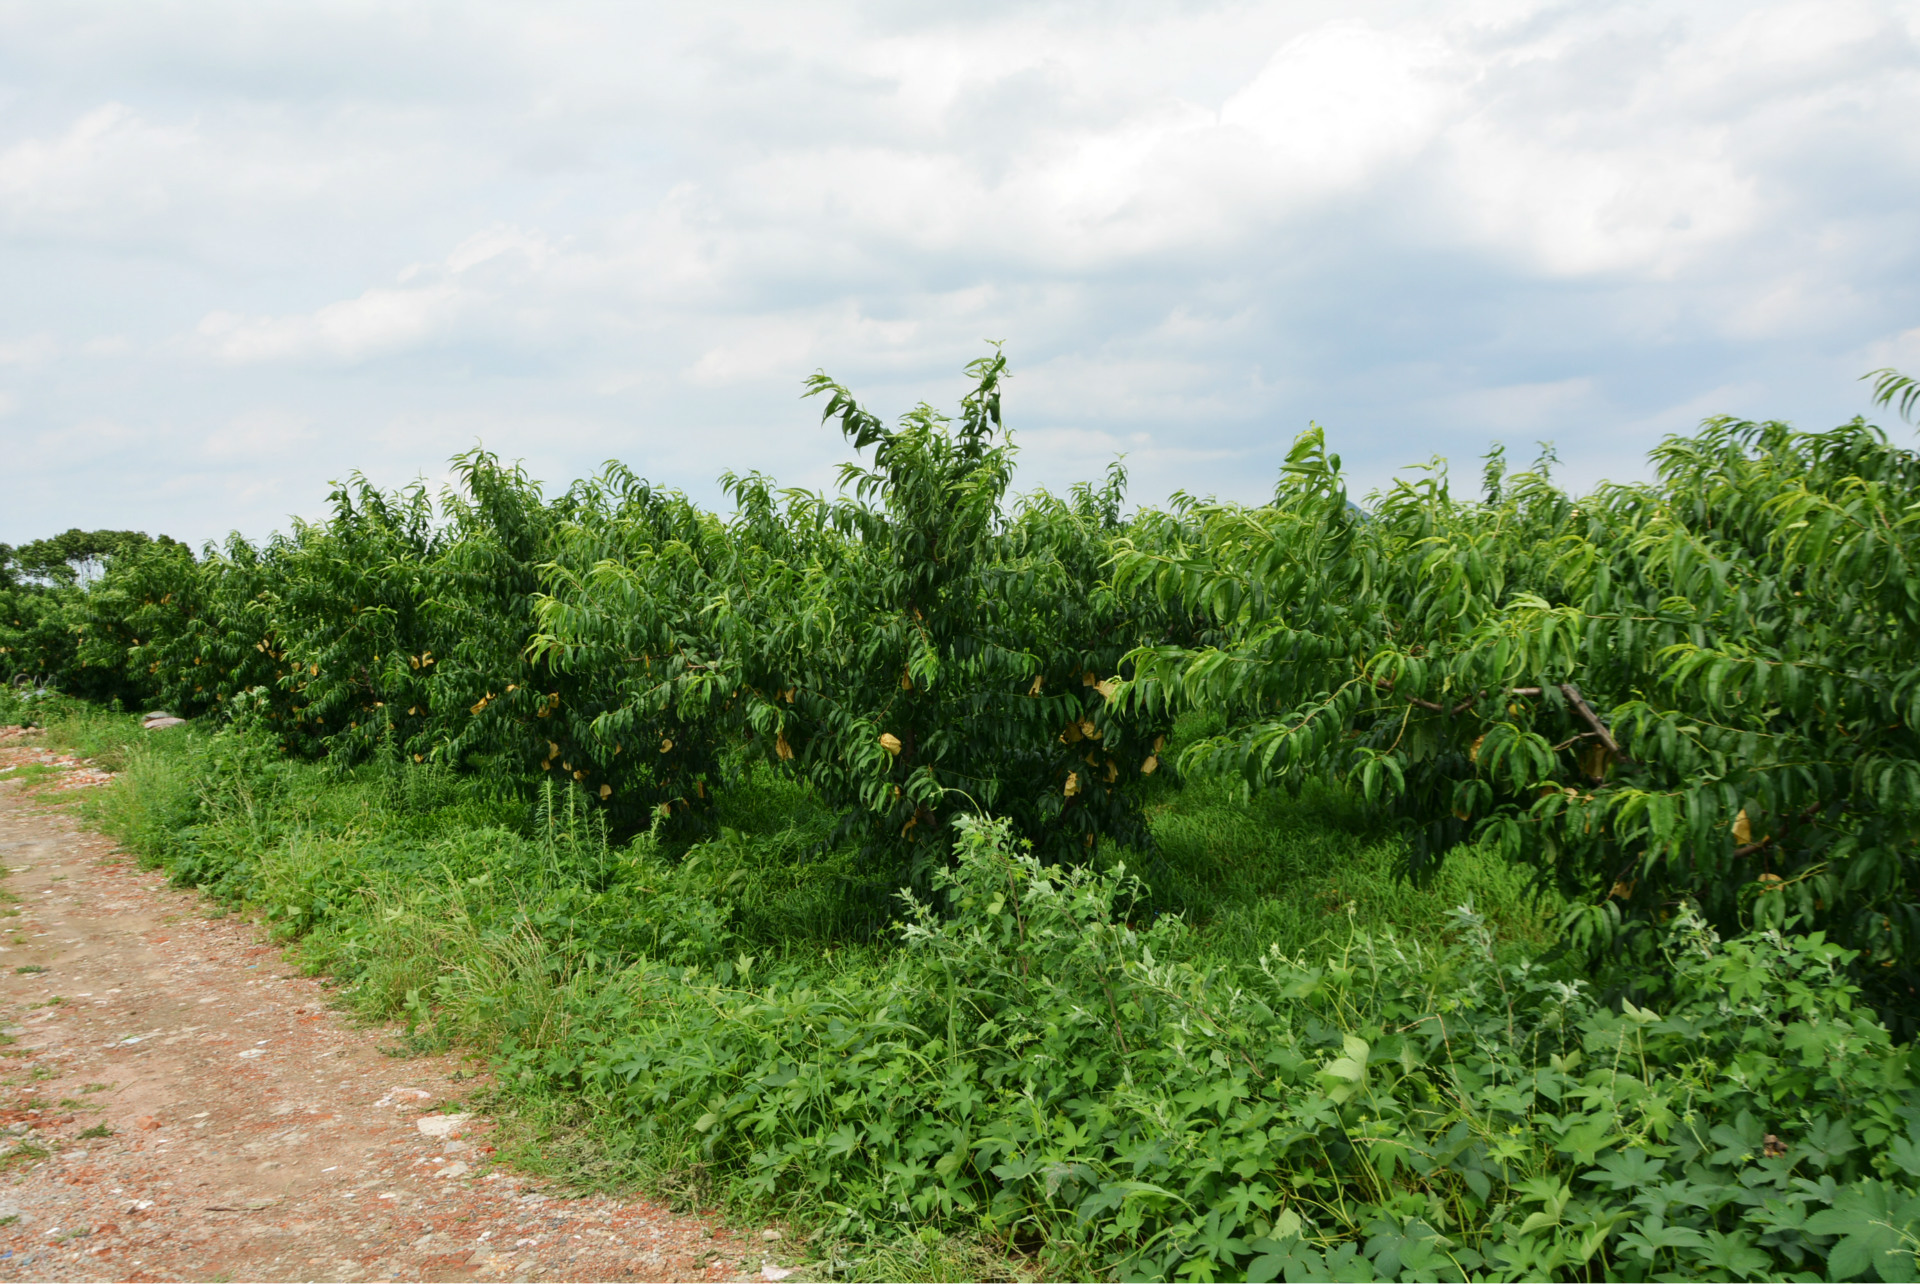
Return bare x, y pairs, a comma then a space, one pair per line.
248, 248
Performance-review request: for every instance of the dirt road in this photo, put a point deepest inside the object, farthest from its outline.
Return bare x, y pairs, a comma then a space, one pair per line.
175, 1104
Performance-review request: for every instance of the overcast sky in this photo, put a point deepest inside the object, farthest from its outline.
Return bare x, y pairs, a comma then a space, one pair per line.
249, 247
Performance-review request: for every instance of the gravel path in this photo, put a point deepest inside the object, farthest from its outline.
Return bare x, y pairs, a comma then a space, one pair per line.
175, 1105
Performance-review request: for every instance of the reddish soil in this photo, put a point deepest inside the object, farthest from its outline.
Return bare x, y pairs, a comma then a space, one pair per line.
177, 1104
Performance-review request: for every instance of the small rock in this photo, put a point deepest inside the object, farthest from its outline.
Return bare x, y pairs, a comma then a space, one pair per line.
254, 1052
457, 1168
403, 1097
771, 1235
147, 1122
157, 724
442, 1125
771, 1272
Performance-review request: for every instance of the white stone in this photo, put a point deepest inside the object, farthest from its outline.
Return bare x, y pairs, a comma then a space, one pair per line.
442, 1125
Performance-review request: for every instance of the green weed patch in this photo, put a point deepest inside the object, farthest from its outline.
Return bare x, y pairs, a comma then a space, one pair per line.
1040, 1069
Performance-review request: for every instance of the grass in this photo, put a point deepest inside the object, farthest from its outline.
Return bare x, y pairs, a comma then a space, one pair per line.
88, 731
22, 1155
1285, 870
32, 773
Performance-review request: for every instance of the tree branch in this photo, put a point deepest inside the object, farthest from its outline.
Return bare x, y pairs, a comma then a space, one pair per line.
1585, 710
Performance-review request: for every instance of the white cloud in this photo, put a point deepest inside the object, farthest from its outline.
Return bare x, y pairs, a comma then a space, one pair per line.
1335, 105
379, 322
427, 303
1901, 351
259, 435
107, 167
33, 350
580, 230
1525, 408
776, 347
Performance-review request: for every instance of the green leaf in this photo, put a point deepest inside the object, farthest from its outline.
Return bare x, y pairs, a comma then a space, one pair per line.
1879, 1229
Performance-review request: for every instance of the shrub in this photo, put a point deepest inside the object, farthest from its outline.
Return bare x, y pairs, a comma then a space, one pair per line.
1037, 1065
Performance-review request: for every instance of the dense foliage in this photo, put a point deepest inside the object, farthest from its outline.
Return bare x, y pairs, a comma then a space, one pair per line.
791, 847
1699, 690
912, 651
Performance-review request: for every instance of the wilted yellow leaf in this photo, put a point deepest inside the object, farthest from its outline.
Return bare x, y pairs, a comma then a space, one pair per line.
1086, 679
1596, 761
906, 680
1742, 828
1034, 690
890, 742
1088, 730
1473, 754
665, 745
781, 748
478, 705
579, 775
1113, 770
1106, 688
419, 757
1073, 783
553, 750
1071, 734
606, 792
1159, 743
566, 766
1151, 765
